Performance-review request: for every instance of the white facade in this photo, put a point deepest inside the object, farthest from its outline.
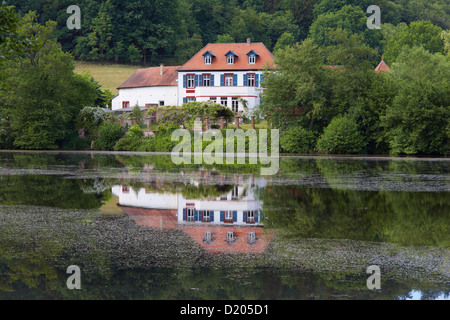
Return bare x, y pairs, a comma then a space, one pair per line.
238, 202
143, 199
160, 95
219, 89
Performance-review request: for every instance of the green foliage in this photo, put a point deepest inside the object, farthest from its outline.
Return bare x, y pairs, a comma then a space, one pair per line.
136, 114
90, 119
45, 95
417, 121
297, 140
285, 40
225, 38
350, 18
108, 135
300, 82
420, 33
131, 141
10, 41
341, 136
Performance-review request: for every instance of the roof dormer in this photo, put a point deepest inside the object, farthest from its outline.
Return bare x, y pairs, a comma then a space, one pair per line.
231, 55
252, 54
208, 56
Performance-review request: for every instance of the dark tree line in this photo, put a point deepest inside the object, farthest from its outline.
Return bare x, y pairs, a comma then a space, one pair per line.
143, 31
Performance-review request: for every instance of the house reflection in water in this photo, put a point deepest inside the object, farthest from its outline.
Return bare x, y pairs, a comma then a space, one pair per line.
228, 223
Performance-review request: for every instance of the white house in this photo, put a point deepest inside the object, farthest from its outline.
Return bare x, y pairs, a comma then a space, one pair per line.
230, 223
156, 86
221, 72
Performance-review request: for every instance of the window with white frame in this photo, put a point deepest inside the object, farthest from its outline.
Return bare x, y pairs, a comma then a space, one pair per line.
206, 80
207, 236
224, 101
250, 216
234, 104
229, 80
228, 216
206, 216
230, 59
252, 59
234, 193
251, 79
190, 99
230, 236
190, 214
208, 59
213, 99
190, 80
251, 237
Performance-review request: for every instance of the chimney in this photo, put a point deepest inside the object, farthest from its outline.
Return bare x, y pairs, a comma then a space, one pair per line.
248, 41
161, 69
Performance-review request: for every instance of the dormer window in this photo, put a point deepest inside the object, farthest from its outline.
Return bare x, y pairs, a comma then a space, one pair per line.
208, 56
230, 56
252, 56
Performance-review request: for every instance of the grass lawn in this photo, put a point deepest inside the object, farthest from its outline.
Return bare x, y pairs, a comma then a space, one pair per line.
245, 126
109, 76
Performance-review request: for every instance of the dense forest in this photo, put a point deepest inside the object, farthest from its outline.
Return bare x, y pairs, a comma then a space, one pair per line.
324, 97
171, 31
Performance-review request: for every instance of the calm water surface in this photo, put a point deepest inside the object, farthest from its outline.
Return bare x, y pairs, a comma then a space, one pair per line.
140, 227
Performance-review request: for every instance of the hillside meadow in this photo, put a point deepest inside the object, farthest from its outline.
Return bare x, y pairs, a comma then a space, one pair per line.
109, 76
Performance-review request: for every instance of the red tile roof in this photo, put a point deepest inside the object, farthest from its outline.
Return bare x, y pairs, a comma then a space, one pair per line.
219, 61
153, 218
382, 66
151, 77
219, 233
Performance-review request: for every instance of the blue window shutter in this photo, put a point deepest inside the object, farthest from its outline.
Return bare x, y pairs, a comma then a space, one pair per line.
245, 216
195, 98
262, 79
222, 216
211, 216
222, 80
196, 80
184, 100
184, 81
245, 80
212, 80
196, 215
234, 216
256, 80
235, 80
184, 214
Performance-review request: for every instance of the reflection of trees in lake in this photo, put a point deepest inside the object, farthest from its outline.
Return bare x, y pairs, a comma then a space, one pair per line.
120, 260
407, 218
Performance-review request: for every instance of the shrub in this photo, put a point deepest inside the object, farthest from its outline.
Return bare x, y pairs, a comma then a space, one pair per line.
297, 140
341, 136
131, 141
108, 134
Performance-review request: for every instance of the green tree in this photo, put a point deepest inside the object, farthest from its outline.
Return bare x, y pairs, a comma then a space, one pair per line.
225, 38
101, 32
298, 83
285, 40
45, 95
341, 136
417, 121
349, 18
420, 33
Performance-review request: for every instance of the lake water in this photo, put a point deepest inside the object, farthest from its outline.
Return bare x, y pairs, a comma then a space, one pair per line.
140, 227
